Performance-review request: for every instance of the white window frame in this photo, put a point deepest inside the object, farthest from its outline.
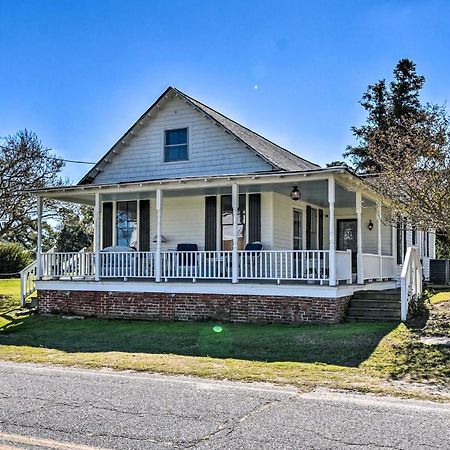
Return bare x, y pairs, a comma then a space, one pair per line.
163, 151
303, 228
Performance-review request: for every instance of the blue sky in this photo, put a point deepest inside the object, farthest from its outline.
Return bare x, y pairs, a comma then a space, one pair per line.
79, 73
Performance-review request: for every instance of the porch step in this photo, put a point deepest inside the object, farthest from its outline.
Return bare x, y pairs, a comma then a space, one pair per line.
387, 295
374, 306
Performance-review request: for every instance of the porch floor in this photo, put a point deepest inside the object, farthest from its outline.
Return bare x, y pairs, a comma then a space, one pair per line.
262, 287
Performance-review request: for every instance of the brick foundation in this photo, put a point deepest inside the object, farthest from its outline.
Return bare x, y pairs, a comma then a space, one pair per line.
193, 307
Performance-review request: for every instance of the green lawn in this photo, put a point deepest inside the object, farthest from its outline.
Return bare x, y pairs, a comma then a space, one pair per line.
362, 356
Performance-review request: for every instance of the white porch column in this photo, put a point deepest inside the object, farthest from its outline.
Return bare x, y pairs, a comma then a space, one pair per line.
360, 267
235, 255
97, 224
159, 201
332, 232
39, 238
380, 259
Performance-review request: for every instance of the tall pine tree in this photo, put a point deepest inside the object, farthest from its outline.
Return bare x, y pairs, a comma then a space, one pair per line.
387, 107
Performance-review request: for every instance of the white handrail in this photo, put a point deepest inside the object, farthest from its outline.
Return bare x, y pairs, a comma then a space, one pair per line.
410, 280
27, 282
300, 265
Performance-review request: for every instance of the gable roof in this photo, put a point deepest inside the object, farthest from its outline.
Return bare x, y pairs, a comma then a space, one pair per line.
278, 157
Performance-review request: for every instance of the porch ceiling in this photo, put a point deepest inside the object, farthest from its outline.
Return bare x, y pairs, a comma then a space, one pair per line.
314, 192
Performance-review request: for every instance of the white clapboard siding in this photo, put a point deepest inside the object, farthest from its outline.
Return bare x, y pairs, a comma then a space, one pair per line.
183, 221
211, 150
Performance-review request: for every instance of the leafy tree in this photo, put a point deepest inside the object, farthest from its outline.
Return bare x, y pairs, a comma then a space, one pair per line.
24, 164
387, 107
415, 175
13, 258
76, 230
442, 246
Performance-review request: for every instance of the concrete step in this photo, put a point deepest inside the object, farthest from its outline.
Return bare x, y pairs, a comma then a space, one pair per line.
366, 303
373, 312
374, 306
377, 295
370, 319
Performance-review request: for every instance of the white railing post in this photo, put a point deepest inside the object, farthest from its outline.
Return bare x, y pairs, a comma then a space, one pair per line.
39, 238
23, 281
410, 280
332, 232
159, 200
97, 221
235, 255
380, 262
350, 280
360, 264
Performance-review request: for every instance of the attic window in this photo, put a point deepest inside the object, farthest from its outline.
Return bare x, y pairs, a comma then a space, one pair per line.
176, 145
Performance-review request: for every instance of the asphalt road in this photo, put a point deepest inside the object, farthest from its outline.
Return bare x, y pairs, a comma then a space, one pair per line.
59, 408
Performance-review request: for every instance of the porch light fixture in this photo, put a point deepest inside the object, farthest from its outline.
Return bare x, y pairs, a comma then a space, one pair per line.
295, 193
370, 226
163, 239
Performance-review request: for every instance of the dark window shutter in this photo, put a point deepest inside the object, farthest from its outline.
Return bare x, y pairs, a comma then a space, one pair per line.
414, 236
320, 229
308, 227
405, 240
210, 223
398, 230
107, 224
144, 225
254, 224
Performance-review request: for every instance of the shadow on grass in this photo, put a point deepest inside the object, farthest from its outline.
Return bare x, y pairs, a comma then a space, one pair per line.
346, 344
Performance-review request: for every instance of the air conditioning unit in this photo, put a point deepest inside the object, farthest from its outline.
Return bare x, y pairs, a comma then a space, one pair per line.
439, 271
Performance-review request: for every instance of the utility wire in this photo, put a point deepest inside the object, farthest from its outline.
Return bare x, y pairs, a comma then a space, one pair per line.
72, 161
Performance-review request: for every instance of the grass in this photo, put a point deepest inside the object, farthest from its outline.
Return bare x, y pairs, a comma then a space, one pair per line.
440, 297
375, 357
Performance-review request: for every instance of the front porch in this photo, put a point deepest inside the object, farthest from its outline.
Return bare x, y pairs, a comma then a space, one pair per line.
333, 235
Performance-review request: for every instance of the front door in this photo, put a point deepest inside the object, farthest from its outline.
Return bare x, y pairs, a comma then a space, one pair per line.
347, 238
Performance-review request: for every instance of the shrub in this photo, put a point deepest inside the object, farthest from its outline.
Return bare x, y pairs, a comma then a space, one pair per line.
420, 305
13, 258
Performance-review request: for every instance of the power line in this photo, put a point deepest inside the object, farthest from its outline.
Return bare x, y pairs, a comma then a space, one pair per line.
72, 161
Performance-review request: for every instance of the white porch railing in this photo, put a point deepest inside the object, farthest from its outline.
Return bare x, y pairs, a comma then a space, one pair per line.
301, 265
388, 267
67, 264
127, 265
196, 265
344, 266
410, 280
376, 267
27, 282
307, 265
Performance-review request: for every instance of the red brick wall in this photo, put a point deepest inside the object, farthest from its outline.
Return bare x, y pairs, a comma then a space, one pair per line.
163, 306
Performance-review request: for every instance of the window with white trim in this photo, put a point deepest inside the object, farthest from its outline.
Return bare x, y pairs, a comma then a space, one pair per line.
298, 229
176, 145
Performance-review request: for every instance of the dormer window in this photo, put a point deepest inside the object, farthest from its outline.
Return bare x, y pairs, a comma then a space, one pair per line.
176, 145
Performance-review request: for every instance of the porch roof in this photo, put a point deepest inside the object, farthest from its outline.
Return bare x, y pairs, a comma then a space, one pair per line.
312, 183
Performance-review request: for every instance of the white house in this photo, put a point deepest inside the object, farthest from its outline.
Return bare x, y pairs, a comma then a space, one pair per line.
198, 217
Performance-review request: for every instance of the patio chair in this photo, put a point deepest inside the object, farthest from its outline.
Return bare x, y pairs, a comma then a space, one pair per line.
252, 259
187, 261
254, 246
